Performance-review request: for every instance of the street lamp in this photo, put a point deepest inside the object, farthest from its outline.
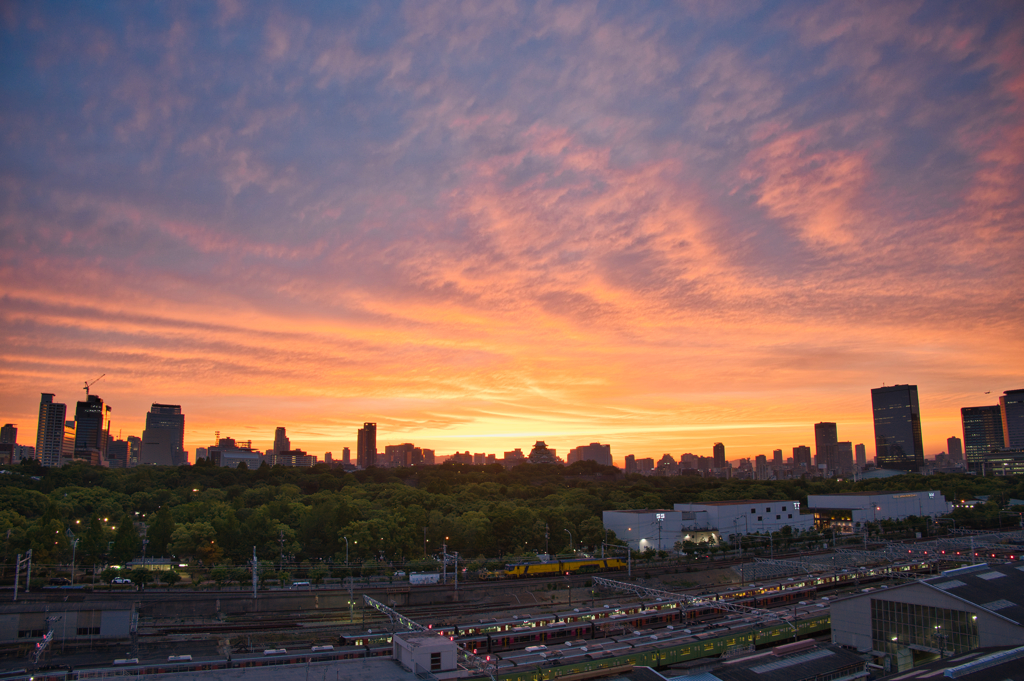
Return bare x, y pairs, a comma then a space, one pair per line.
346, 550
570, 543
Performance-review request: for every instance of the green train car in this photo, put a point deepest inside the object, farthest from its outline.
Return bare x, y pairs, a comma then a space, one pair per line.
651, 655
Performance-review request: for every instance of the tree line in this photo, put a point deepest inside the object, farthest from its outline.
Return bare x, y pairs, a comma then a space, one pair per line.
214, 516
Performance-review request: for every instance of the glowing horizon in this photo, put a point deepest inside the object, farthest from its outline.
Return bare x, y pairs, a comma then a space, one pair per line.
482, 226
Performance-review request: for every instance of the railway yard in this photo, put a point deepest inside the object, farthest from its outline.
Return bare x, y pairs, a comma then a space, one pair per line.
514, 629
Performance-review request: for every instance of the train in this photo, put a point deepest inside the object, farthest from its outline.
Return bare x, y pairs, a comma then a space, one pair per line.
592, 626
184, 663
564, 567
649, 649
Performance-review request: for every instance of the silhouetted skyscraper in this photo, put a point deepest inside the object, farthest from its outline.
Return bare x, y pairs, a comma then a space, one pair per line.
92, 426
802, 456
1011, 404
718, 450
826, 439
777, 457
163, 441
366, 449
983, 432
861, 455
955, 448
595, 451
50, 431
9, 434
281, 441
897, 416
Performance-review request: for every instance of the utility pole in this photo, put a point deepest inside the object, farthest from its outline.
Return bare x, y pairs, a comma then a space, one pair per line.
17, 572
255, 572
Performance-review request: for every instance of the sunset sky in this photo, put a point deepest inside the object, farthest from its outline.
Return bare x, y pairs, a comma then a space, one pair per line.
484, 224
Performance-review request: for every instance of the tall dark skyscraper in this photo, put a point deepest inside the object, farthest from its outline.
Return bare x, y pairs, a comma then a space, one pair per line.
777, 457
983, 433
897, 416
862, 456
826, 442
718, 451
1011, 404
50, 431
955, 448
366, 448
92, 426
281, 441
163, 441
802, 456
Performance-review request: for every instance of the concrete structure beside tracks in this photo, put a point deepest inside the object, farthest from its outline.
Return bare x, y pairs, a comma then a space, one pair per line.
848, 511
70, 621
961, 610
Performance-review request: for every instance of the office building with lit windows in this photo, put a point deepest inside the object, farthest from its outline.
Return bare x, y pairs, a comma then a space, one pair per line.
1011, 407
903, 626
983, 433
897, 417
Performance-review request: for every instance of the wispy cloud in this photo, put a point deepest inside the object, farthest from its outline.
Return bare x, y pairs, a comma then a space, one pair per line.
496, 221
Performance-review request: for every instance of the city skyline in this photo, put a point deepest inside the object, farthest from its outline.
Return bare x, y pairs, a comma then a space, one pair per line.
654, 227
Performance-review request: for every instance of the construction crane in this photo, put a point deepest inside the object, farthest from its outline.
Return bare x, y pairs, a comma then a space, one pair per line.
88, 384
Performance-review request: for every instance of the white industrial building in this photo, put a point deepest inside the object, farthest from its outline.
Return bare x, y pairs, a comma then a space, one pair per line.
660, 529
425, 653
750, 516
849, 511
647, 530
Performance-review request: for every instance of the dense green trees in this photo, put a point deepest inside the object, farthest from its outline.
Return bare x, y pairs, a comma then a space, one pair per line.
216, 516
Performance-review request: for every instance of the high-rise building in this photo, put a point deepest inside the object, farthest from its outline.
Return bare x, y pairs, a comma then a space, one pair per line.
163, 441
366, 449
862, 456
897, 416
135, 450
983, 433
718, 451
117, 454
802, 456
844, 457
50, 431
761, 466
1011, 404
346, 456
777, 457
281, 441
8, 443
92, 426
595, 451
826, 439
67, 451
955, 448
630, 464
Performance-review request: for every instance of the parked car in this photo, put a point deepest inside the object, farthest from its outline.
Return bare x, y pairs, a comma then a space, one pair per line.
60, 581
120, 580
